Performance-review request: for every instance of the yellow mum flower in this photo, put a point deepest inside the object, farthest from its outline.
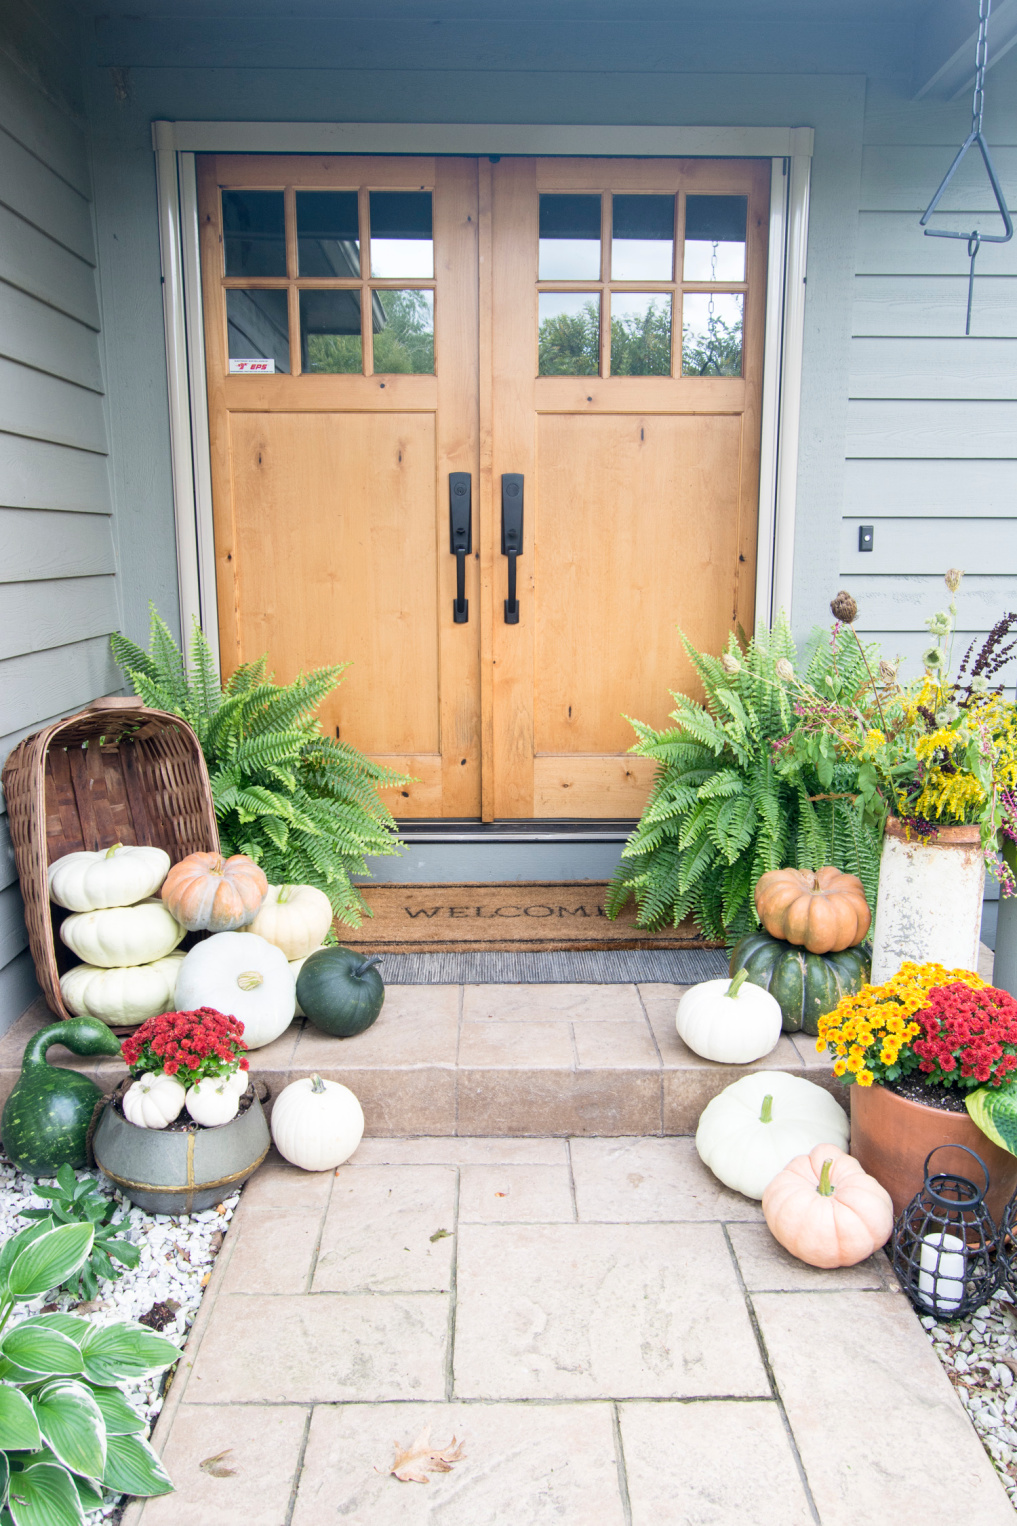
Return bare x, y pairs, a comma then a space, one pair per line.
865, 1078
839, 1067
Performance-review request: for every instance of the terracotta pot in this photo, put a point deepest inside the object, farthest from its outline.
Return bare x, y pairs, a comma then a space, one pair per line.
891, 1136
180, 1170
930, 900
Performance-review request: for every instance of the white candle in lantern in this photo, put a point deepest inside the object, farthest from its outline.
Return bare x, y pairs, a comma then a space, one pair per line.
943, 1272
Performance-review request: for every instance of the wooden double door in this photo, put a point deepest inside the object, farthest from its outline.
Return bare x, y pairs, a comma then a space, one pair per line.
561, 357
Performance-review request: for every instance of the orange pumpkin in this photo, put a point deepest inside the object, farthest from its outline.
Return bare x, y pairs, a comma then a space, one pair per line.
204, 891
822, 910
826, 1210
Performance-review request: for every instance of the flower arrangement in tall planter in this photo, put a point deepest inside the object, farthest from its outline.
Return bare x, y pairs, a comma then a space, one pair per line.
189, 1126
939, 755
930, 1056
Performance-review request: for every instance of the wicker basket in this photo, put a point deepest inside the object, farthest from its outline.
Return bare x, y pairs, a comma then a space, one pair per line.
116, 772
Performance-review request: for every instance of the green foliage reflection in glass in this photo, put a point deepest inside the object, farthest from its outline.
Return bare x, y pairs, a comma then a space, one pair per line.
403, 338
66, 1430
640, 337
712, 334
569, 335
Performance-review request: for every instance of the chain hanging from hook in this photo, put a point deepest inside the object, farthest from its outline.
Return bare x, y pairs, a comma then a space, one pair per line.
975, 239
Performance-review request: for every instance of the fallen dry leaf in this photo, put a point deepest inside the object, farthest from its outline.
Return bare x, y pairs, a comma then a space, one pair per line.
412, 1465
217, 1465
440, 1234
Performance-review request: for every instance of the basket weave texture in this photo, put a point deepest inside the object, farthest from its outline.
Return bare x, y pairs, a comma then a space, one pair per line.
115, 772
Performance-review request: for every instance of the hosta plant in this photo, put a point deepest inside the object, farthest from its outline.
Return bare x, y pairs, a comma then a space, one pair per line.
66, 1429
77, 1202
304, 807
731, 801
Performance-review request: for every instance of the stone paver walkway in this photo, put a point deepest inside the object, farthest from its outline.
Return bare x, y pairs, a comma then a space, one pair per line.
613, 1336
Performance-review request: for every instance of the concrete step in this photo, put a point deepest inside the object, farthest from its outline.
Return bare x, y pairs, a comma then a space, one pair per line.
499, 1060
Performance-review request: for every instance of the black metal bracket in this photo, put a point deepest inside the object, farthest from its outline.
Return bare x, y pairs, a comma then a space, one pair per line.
512, 536
460, 530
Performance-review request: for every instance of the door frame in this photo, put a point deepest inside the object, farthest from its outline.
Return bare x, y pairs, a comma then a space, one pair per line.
175, 145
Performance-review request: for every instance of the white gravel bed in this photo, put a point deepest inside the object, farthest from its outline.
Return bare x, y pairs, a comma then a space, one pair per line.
980, 1357
176, 1262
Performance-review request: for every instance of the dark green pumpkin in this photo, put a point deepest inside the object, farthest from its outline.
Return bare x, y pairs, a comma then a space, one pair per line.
805, 985
340, 991
46, 1117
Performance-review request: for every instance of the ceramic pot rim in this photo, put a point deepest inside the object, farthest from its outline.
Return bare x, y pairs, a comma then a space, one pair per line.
902, 1101
943, 837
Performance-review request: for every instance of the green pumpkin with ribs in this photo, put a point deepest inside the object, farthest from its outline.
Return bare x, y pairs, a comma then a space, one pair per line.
805, 986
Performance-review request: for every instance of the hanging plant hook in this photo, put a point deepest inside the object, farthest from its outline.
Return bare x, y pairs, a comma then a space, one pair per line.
975, 239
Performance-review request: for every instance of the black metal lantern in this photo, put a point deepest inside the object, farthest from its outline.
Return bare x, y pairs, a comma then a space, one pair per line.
945, 1244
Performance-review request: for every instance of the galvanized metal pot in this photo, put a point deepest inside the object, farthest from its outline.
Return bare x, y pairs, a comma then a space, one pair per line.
177, 1171
930, 900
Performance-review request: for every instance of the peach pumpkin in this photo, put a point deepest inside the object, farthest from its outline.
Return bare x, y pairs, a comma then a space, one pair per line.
206, 892
822, 910
826, 1210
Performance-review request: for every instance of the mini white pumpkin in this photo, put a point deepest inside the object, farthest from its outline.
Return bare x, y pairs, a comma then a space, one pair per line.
239, 1080
154, 1100
118, 876
317, 1124
213, 1101
295, 918
122, 935
758, 1124
296, 965
123, 995
243, 976
728, 1020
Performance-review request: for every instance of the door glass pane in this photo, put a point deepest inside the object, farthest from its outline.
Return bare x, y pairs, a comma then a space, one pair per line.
715, 238
569, 238
328, 233
712, 333
401, 235
642, 240
254, 233
257, 327
640, 333
569, 336
403, 323
330, 331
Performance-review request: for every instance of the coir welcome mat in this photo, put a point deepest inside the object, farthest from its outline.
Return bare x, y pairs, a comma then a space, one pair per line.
531, 916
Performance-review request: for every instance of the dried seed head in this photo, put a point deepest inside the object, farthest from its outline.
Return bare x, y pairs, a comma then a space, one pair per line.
785, 672
952, 578
729, 662
844, 608
887, 671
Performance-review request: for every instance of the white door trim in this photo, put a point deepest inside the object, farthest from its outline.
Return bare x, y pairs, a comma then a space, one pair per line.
176, 143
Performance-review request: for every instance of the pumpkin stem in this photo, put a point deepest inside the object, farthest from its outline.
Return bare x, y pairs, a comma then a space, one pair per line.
766, 1114
284, 894
250, 980
825, 1188
737, 983
317, 1084
360, 968
115, 849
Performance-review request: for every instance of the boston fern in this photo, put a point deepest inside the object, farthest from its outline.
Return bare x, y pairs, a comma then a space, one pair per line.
730, 802
304, 807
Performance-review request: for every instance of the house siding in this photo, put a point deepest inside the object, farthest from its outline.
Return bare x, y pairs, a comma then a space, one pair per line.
58, 599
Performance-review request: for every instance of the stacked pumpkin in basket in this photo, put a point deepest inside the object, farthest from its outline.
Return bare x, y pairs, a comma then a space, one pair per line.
123, 933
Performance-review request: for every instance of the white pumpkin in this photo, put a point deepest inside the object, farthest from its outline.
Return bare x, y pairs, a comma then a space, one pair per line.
117, 876
124, 995
154, 1100
317, 1124
729, 1020
243, 976
122, 935
296, 965
760, 1123
212, 1101
295, 918
239, 1080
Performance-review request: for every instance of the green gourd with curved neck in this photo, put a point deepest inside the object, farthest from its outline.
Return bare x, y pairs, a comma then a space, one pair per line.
46, 1117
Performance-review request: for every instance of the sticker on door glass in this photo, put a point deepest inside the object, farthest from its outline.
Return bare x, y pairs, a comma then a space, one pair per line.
264, 367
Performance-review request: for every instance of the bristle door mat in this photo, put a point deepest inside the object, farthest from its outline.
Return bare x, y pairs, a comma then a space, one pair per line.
613, 967
534, 916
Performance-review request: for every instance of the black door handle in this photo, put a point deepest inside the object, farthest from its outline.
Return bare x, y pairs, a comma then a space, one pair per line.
460, 530
511, 536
